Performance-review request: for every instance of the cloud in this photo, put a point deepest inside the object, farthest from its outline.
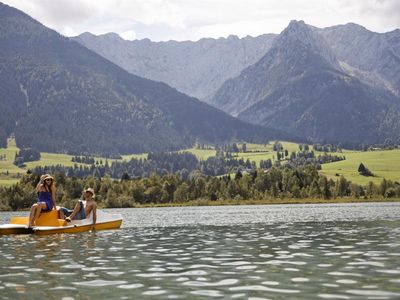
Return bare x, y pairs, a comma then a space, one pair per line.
383, 15
194, 19
129, 35
56, 12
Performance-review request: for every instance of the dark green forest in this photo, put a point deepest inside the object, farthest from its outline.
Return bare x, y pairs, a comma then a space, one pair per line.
277, 182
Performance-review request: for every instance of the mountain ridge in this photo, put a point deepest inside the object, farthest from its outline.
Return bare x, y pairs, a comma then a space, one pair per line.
289, 57
377, 54
299, 84
59, 96
195, 68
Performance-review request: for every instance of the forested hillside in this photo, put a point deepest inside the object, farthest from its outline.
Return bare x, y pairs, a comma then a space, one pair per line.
339, 84
58, 96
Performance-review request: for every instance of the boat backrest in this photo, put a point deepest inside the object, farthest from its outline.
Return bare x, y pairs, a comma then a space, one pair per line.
49, 218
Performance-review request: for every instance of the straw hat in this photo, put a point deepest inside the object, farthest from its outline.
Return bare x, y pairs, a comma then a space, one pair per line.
46, 176
90, 190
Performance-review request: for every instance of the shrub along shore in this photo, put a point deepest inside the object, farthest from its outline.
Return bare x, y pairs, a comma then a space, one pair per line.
276, 201
275, 186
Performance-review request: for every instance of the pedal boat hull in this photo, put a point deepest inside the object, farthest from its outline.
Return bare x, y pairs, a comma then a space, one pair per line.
48, 223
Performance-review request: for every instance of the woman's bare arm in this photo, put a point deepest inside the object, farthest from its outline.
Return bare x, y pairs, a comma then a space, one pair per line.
53, 195
39, 186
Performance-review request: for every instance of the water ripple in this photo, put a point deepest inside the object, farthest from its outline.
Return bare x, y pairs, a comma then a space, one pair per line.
96, 283
260, 252
264, 288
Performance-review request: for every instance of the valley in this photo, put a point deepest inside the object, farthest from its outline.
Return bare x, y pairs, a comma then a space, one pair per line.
383, 163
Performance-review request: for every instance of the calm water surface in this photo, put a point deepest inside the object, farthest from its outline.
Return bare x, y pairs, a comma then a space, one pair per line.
346, 251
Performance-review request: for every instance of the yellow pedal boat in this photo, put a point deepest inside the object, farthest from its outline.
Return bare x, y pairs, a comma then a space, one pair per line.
49, 223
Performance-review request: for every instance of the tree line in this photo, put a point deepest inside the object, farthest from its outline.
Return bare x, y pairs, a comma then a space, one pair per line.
162, 163
277, 182
184, 164
25, 155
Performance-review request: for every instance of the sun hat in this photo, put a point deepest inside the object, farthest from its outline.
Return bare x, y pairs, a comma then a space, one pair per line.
90, 190
46, 176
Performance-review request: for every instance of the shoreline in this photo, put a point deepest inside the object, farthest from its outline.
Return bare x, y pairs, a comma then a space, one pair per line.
264, 202
233, 202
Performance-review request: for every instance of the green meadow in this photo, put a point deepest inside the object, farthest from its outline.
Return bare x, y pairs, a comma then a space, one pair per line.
130, 156
9, 152
10, 173
383, 163
258, 152
201, 154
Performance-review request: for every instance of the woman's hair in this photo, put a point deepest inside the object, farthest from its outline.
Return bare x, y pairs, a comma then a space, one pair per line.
43, 182
49, 188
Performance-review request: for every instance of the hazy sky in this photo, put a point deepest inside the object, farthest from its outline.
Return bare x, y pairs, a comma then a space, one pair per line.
193, 19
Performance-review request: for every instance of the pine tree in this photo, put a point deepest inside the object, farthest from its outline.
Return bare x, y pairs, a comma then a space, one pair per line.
326, 192
125, 176
342, 187
238, 175
364, 171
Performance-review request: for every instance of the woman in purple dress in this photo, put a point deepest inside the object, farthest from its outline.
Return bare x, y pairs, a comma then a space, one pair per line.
46, 198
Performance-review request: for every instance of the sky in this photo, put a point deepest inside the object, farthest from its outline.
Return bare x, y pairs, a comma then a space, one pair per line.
162, 20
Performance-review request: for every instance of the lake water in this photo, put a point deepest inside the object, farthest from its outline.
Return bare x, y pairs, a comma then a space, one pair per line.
338, 251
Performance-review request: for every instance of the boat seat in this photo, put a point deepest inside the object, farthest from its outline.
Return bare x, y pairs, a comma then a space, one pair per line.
49, 218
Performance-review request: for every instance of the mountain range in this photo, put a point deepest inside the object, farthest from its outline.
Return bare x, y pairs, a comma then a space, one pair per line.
300, 86
58, 96
372, 57
197, 68
338, 84
104, 95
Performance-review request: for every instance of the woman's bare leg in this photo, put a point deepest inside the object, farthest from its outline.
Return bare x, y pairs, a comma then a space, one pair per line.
41, 206
32, 214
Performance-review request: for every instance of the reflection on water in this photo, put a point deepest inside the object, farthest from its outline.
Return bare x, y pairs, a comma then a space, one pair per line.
246, 252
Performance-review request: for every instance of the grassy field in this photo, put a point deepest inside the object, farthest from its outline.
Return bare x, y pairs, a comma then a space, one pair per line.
7, 164
48, 159
202, 154
258, 152
257, 156
384, 164
10, 173
130, 156
8, 181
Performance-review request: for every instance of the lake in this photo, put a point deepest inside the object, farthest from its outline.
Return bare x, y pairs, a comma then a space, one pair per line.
326, 251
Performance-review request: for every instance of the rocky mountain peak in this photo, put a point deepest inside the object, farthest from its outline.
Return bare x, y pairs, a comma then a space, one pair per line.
112, 36
299, 35
354, 27
298, 30
296, 25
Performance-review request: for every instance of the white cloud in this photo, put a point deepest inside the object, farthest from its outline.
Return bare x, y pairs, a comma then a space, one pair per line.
194, 19
129, 35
